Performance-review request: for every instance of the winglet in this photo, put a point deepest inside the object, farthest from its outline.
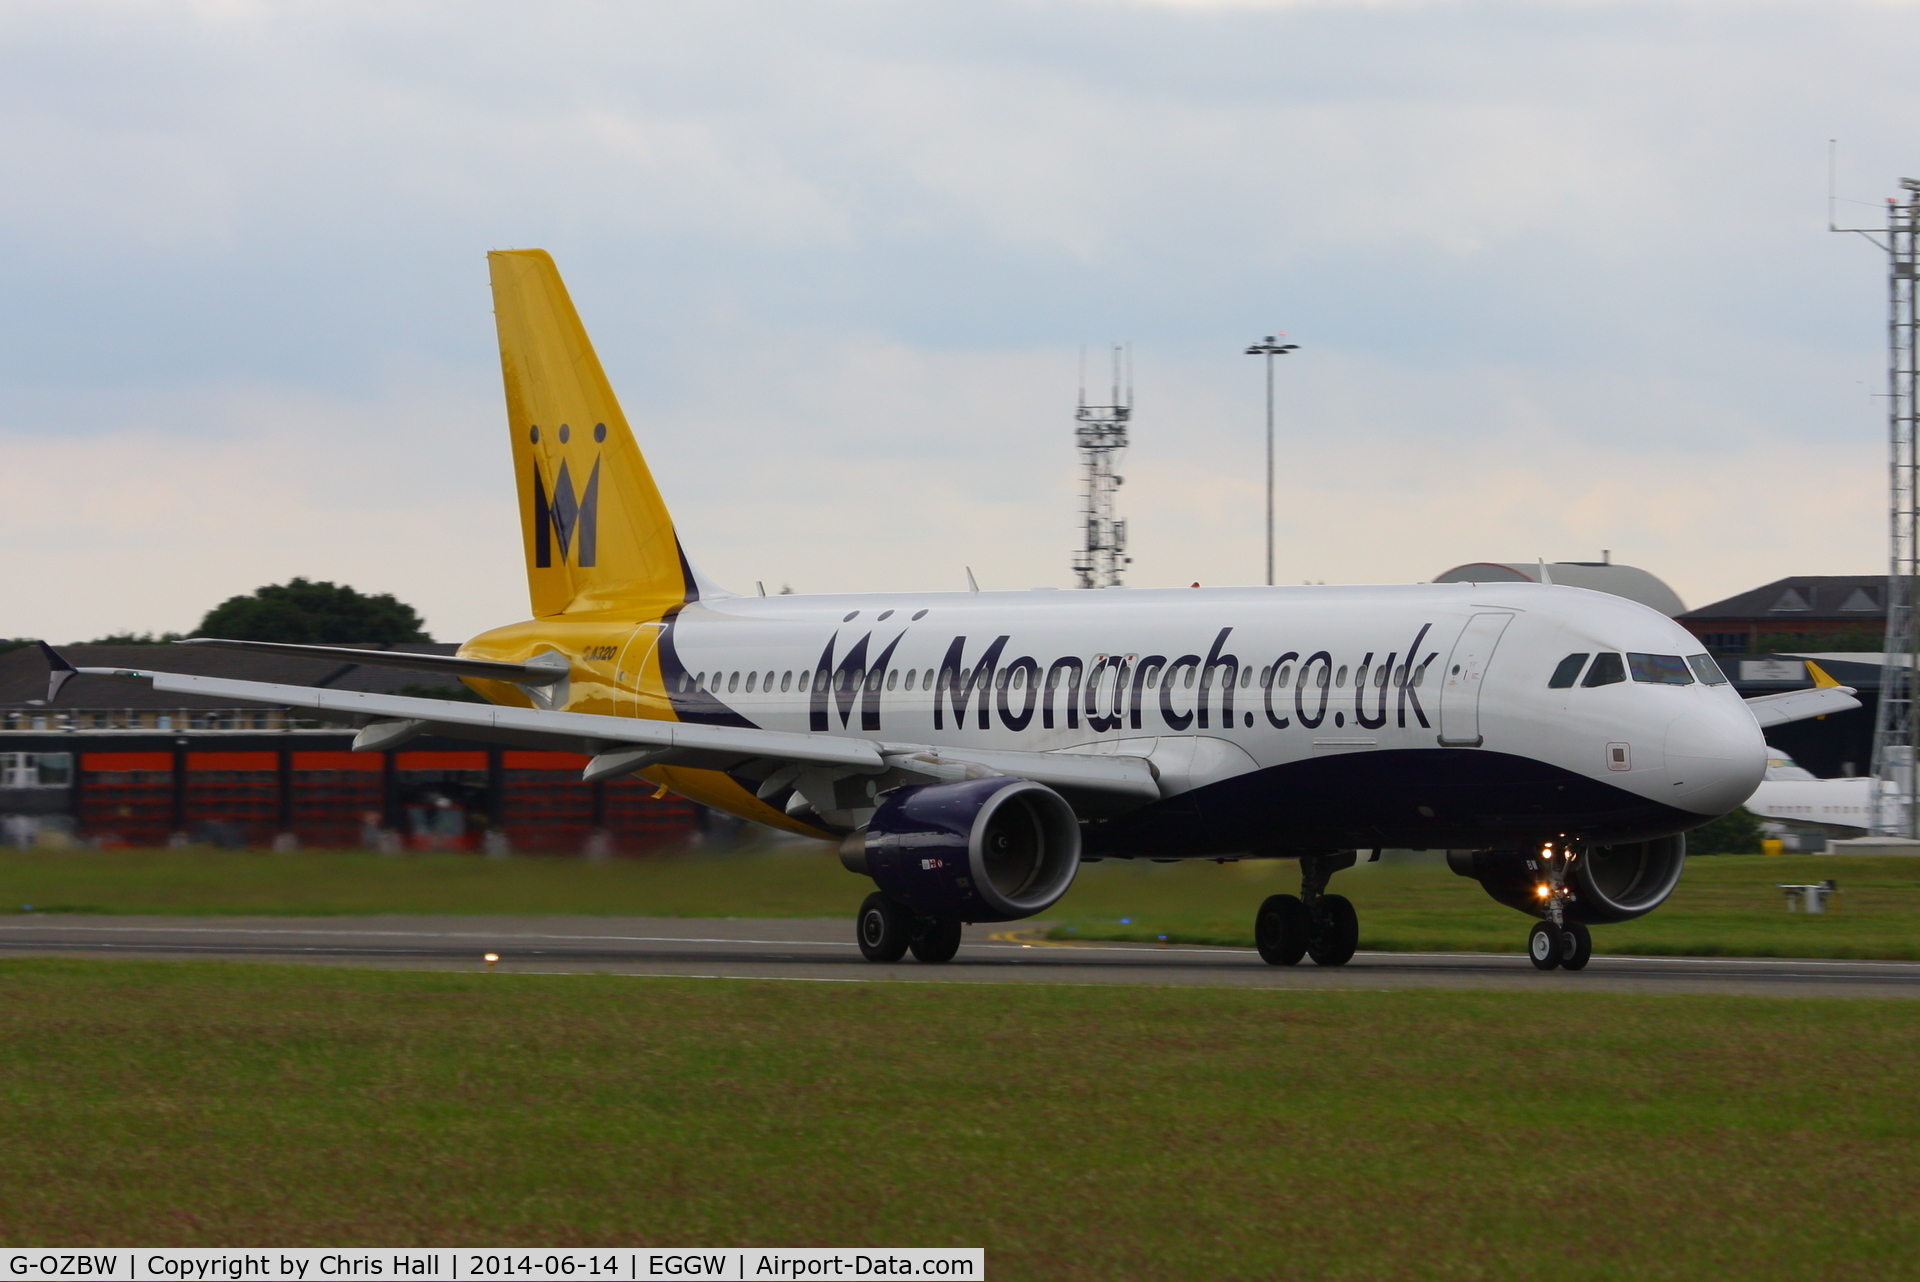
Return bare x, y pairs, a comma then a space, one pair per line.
59, 671
1821, 680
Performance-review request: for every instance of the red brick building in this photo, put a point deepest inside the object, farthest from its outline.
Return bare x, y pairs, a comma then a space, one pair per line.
114, 762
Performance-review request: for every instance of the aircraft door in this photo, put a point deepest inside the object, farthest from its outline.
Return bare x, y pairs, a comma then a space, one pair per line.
1460, 686
636, 698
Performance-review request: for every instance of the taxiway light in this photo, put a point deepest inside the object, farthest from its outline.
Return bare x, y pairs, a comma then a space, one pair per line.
490, 959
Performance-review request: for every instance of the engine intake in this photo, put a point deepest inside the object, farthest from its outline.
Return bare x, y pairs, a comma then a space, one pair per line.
1609, 883
995, 849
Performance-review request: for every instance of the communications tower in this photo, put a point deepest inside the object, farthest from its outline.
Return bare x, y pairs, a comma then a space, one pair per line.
1100, 434
1896, 730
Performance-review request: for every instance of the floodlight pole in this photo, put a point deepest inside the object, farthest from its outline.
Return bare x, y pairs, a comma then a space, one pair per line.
1896, 732
1270, 347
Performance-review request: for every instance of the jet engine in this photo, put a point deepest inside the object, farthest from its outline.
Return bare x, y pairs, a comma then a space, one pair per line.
994, 849
1609, 883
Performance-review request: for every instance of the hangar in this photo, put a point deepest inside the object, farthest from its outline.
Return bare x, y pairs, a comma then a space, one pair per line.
114, 763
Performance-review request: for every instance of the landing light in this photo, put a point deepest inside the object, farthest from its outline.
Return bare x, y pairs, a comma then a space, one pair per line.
1542, 891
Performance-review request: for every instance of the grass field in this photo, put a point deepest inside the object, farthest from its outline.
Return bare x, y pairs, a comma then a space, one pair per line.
1726, 905
1074, 1132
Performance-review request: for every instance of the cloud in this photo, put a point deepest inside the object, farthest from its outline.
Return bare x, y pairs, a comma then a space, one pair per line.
1558, 271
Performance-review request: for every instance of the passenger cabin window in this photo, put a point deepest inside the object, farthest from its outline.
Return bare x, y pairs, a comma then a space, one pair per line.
1606, 670
1660, 669
786, 682
1567, 673
1706, 669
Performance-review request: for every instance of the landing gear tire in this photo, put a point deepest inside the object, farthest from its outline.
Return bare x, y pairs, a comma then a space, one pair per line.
1545, 945
1333, 930
1576, 946
936, 939
884, 929
1281, 930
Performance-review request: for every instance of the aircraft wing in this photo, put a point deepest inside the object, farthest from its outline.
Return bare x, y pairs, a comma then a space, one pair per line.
621, 745
550, 672
1827, 696
1801, 705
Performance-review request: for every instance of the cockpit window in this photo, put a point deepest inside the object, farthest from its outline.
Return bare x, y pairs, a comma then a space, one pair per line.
1660, 669
1568, 672
1606, 670
1706, 669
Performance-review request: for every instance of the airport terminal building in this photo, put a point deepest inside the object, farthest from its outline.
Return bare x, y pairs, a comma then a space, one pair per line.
113, 762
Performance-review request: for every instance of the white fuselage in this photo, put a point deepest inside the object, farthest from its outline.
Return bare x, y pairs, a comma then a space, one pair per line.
1300, 687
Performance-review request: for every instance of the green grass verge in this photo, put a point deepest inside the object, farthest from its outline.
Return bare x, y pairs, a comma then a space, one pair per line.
795, 881
1074, 1132
1726, 905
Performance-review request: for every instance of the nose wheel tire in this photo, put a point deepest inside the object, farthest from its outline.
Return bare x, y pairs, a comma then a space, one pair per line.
1333, 930
1545, 945
1280, 930
884, 929
936, 939
1576, 946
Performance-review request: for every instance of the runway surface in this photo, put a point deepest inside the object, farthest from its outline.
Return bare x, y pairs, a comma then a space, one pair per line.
822, 950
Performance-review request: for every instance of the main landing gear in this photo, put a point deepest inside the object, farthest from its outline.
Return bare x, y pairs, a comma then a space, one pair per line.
1313, 923
1556, 940
886, 930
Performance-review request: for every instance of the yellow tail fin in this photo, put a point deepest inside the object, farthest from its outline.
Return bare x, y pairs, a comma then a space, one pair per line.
598, 537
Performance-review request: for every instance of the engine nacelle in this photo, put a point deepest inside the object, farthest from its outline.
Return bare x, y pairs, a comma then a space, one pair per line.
1609, 883
995, 849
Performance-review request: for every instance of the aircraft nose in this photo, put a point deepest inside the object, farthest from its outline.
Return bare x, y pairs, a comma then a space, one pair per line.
1716, 757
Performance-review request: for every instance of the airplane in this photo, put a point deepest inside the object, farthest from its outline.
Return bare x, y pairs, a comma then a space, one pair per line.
970, 750
1793, 802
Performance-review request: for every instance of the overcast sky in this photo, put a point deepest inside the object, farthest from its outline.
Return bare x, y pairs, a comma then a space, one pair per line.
1559, 273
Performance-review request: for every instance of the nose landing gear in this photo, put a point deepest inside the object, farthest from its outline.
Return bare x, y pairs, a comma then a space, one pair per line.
1556, 940
1569, 947
1313, 924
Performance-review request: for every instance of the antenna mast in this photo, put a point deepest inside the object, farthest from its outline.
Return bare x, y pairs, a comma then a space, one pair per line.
1896, 730
1100, 434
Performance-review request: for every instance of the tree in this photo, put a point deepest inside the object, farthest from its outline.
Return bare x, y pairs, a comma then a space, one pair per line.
308, 613
1734, 833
